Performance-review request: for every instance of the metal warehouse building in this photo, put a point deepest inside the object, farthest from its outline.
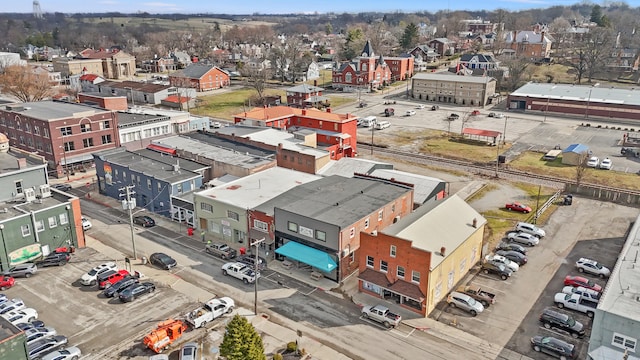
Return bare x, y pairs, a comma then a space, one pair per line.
581, 100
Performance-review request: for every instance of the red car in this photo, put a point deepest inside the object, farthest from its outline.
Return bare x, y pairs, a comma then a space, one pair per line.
110, 279
576, 281
516, 206
6, 282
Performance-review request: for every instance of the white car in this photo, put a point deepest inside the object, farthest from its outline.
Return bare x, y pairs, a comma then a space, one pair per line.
216, 125
91, 278
34, 334
465, 302
411, 112
25, 315
592, 267
71, 352
421, 106
606, 164
10, 305
523, 238
593, 162
584, 293
86, 224
503, 260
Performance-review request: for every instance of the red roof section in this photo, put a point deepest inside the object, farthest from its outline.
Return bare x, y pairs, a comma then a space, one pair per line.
162, 149
283, 112
480, 132
89, 77
176, 99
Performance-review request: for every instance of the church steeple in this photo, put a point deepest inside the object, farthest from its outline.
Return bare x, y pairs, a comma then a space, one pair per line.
368, 50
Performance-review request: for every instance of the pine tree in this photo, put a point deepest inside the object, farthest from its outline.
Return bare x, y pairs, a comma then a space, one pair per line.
241, 341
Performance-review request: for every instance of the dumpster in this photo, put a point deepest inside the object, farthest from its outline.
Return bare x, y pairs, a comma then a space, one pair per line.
568, 199
190, 231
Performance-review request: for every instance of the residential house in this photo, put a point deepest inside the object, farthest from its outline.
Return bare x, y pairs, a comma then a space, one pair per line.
10, 59
313, 71
65, 134
35, 219
364, 73
479, 26
181, 59
450, 88
201, 77
443, 46
418, 260
337, 133
479, 61
425, 53
88, 82
305, 95
54, 77
623, 60
536, 45
110, 63
159, 64
321, 224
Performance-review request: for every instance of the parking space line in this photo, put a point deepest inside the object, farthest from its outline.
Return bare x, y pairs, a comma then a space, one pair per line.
484, 287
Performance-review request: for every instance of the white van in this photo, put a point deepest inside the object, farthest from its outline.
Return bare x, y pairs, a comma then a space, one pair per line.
368, 121
382, 125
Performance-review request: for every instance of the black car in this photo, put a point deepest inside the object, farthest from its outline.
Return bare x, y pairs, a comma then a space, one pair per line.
162, 261
112, 290
251, 261
553, 319
133, 292
54, 259
62, 187
489, 267
512, 247
514, 256
31, 325
144, 221
42, 347
552, 346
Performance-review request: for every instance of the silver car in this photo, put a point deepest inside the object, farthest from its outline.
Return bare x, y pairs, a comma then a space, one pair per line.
465, 302
189, 351
35, 334
523, 238
22, 270
72, 353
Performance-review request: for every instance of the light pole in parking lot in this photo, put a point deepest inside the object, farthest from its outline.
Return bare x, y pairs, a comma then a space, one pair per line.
129, 204
255, 281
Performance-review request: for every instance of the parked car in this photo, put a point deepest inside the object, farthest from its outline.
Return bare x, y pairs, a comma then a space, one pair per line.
91, 278
251, 261
22, 270
475, 112
453, 116
553, 346
410, 112
162, 261
593, 162
586, 294
144, 221
62, 187
189, 351
389, 111
523, 238
421, 106
576, 281
490, 267
11, 305
514, 256
435, 107
552, 319
496, 115
135, 291
6, 282
71, 353
25, 315
216, 125
465, 302
530, 229
42, 347
507, 246
592, 267
606, 164
86, 224
516, 206
503, 260
127, 281
34, 334
111, 277
30, 325
54, 259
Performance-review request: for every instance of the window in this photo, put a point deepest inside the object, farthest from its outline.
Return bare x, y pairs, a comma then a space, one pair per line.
393, 208
106, 124
384, 266
25, 230
370, 261
66, 131
352, 257
179, 186
260, 225
106, 139
63, 218
293, 227
400, 272
366, 223
39, 225
392, 251
36, 130
45, 132
69, 146
86, 127
27, 128
352, 232
624, 342
415, 276
19, 188
380, 215
233, 215
321, 235
149, 184
206, 207
52, 222
88, 142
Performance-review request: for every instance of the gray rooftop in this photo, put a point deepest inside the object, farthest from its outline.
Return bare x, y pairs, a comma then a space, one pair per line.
126, 119
593, 94
347, 166
237, 146
447, 76
170, 160
54, 110
9, 161
424, 186
339, 200
448, 224
150, 167
194, 71
304, 88
621, 294
14, 209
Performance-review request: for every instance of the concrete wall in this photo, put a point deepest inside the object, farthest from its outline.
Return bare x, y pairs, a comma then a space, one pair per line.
618, 196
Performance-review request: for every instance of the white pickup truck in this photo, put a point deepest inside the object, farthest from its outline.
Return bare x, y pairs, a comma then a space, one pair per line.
575, 302
240, 271
210, 311
382, 315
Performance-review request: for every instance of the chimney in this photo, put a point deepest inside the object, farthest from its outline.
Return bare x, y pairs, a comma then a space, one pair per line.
304, 111
542, 37
475, 223
315, 82
22, 163
329, 110
443, 251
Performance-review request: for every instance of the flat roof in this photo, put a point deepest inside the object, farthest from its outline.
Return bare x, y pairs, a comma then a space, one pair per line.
621, 295
595, 94
449, 224
170, 160
347, 166
253, 190
286, 112
55, 110
339, 200
9, 161
15, 209
127, 119
448, 76
211, 139
423, 185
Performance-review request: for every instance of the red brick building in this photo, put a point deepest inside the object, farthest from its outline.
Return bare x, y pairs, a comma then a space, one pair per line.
305, 95
365, 72
336, 133
201, 77
401, 67
105, 101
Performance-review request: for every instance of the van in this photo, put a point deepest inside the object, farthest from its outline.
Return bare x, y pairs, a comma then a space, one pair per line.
382, 125
368, 121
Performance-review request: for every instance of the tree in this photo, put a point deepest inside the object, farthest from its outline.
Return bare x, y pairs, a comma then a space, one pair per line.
241, 341
25, 85
581, 166
409, 37
354, 44
597, 48
255, 77
517, 68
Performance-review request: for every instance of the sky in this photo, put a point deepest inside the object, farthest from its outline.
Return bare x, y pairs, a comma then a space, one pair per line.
276, 7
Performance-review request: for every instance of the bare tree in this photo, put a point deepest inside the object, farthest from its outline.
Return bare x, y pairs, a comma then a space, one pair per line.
597, 49
24, 84
256, 78
518, 69
583, 157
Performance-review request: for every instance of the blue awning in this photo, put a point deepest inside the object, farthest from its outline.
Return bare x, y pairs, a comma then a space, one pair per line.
308, 255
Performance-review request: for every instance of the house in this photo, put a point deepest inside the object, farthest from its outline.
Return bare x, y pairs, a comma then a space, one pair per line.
159, 64
305, 95
443, 46
228, 211
110, 63
529, 44
201, 77
54, 77
479, 61
425, 53
419, 259
181, 59
337, 133
89, 82
623, 60
10, 59
616, 322
575, 154
313, 71
65, 134
364, 73
320, 225
479, 26
36, 219
450, 88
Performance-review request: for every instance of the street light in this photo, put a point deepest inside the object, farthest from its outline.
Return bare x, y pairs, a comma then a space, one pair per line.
586, 111
255, 281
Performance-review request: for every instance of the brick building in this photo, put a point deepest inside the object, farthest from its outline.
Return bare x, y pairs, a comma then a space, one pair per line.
363, 73
446, 87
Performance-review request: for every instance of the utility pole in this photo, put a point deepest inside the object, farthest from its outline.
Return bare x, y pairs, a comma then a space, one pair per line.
129, 204
255, 282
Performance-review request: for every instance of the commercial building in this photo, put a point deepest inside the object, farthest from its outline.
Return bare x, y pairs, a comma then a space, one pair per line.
13, 342
446, 87
108, 63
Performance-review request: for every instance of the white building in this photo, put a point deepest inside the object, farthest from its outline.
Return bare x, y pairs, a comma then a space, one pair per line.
9, 59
